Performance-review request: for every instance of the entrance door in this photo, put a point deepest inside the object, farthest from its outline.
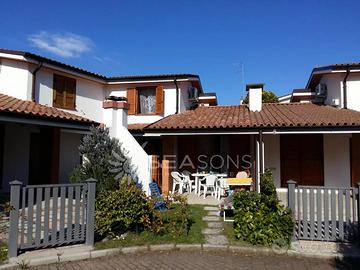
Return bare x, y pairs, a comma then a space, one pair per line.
302, 159
43, 162
355, 159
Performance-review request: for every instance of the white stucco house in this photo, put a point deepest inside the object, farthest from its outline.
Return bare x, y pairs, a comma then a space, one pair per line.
46, 107
43, 147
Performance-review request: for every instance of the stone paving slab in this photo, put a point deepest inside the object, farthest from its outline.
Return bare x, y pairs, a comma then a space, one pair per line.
210, 218
211, 208
214, 213
218, 239
217, 224
212, 231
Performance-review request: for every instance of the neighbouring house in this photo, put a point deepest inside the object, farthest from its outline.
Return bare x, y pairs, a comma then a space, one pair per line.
311, 136
47, 106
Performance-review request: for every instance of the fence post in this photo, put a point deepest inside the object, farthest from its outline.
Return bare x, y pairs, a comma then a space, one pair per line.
358, 210
291, 196
90, 211
15, 187
291, 200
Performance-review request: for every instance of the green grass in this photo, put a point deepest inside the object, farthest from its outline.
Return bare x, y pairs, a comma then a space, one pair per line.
194, 236
3, 252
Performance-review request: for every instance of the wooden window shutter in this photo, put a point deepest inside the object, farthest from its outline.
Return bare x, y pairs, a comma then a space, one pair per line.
132, 98
58, 94
70, 93
64, 93
159, 99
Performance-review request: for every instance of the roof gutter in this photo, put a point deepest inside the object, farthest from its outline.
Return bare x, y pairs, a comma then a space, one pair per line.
34, 72
177, 96
345, 87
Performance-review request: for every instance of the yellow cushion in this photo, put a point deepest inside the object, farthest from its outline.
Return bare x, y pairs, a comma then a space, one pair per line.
239, 181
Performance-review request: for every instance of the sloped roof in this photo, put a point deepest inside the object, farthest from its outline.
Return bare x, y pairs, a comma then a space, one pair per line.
99, 76
271, 116
137, 127
318, 71
13, 105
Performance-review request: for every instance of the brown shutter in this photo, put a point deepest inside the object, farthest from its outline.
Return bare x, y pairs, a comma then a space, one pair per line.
64, 92
159, 99
355, 159
70, 93
132, 100
302, 159
58, 93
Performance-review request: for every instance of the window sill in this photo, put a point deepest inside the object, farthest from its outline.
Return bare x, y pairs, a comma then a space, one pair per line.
64, 108
146, 114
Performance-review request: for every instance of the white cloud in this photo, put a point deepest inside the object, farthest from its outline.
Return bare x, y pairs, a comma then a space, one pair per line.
66, 45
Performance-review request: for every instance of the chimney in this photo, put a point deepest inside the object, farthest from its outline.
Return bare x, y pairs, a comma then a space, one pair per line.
255, 96
115, 114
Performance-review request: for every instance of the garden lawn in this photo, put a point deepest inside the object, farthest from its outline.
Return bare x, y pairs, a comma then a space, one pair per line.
194, 236
3, 252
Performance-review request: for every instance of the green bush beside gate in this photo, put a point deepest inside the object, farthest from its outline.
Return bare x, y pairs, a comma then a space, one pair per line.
260, 219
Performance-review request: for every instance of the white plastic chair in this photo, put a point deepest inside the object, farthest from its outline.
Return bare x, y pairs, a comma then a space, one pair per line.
210, 181
220, 186
177, 181
187, 180
242, 174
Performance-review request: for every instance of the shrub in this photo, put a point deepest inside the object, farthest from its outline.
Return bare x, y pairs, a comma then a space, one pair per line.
104, 160
176, 221
267, 185
260, 218
121, 210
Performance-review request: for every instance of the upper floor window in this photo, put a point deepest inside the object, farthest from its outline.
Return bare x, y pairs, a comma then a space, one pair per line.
64, 92
146, 100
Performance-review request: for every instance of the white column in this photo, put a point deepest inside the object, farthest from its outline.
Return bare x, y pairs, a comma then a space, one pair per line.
115, 118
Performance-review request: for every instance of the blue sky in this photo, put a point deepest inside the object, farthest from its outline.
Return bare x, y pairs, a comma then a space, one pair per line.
274, 42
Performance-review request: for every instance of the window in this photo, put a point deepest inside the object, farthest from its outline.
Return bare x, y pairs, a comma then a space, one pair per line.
64, 92
146, 100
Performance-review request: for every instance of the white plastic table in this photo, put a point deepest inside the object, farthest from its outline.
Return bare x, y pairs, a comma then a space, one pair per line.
201, 175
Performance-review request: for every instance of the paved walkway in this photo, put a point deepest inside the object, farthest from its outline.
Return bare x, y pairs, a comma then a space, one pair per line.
196, 260
195, 199
214, 231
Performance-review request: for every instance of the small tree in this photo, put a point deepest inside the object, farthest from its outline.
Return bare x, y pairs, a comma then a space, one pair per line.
103, 159
267, 97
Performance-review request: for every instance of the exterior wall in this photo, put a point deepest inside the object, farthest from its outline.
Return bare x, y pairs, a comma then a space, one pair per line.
337, 160
169, 99
334, 83
15, 79
184, 103
69, 154
89, 94
140, 160
272, 156
334, 87
353, 91
16, 153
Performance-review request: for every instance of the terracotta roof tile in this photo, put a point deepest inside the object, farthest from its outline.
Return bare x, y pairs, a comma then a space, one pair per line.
271, 115
10, 104
137, 127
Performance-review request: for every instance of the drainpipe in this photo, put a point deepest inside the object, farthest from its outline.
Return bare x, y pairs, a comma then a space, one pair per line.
177, 96
261, 160
345, 87
34, 80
